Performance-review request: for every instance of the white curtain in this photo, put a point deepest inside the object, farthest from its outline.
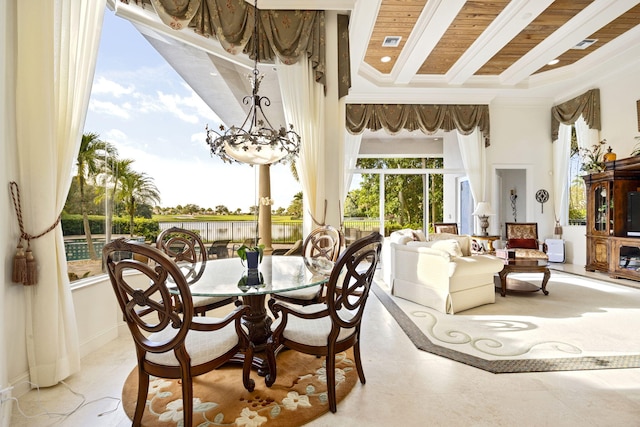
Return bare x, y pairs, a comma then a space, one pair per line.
57, 45
586, 137
561, 158
303, 101
351, 150
472, 153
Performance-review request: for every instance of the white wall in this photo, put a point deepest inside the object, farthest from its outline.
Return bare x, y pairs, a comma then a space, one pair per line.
521, 139
618, 97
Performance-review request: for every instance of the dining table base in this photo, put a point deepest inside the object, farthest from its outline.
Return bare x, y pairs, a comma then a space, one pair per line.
258, 325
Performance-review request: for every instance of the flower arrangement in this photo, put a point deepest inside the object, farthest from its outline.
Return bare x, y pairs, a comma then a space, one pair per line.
593, 158
636, 149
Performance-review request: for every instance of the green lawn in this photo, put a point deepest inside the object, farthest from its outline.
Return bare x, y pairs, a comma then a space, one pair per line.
197, 218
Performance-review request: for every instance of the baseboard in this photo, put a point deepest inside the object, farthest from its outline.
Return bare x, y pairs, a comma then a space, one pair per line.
20, 385
98, 341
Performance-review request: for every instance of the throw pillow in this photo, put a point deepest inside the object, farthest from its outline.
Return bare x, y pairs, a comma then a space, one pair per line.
450, 246
523, 243
418, 236
464, 241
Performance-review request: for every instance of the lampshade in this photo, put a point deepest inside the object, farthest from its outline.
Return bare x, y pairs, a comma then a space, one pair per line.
483, 209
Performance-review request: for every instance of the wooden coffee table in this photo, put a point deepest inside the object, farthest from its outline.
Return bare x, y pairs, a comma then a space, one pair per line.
523, 265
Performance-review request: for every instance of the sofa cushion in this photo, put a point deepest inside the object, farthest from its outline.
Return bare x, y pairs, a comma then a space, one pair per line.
464, 241
451, 246
523, 243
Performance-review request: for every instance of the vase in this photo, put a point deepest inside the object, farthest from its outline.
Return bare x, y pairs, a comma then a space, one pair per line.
609, 156
252, 259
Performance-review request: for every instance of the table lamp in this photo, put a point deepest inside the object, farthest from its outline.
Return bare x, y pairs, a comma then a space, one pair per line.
483, 211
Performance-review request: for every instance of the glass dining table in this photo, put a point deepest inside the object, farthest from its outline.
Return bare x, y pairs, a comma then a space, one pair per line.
229, 277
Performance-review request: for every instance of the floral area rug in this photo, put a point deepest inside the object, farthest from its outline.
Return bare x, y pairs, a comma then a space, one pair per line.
298, 396
582, 324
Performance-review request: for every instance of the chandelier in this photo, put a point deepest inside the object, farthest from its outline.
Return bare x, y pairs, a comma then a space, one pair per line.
255, 142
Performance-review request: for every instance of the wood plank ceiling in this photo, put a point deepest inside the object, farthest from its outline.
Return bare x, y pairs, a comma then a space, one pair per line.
399, 17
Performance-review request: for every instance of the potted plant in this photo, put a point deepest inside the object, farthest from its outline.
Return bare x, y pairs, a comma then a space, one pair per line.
593, 159
636, 149
252, 254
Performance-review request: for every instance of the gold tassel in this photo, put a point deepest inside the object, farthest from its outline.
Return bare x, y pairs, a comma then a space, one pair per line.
31, 277
19, 265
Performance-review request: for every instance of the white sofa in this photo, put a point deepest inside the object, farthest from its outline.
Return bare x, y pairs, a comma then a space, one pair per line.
440, 272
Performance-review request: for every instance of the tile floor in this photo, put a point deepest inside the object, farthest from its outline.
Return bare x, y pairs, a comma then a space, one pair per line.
405, 387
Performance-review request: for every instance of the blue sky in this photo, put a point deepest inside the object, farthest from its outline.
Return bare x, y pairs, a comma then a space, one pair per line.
143, 107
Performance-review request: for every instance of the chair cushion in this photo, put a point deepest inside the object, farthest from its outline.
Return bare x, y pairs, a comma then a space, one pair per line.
202, 346
530, 253
312, 332
204, 301
303, 294
523, 243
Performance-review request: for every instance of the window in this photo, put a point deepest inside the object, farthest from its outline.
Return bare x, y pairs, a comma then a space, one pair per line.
577, 188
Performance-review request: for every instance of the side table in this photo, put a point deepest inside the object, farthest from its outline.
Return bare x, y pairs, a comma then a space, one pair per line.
486, 241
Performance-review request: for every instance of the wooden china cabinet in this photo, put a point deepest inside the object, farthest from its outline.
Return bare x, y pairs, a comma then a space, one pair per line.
609, 248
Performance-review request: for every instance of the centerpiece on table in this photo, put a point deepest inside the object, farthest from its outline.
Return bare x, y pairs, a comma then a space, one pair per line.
251, 254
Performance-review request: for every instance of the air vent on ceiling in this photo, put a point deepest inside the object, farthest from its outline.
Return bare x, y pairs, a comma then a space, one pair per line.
391, 41
584, 44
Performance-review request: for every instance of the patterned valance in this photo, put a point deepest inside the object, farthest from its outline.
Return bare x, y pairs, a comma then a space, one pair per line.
289, 34
427, 118
586, 105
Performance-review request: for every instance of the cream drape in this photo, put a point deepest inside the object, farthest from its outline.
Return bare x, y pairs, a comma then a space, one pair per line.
583, 111
586, 106
289, 35
304, 103
351, 150
55, 67
561, 156
585, 135
472, 154
424, 117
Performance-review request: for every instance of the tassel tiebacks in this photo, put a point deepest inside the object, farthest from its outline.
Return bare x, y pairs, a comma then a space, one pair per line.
25, 270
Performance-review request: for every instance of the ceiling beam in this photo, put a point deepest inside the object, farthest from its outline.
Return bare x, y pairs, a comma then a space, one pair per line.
511, 21
581, 26
433, 22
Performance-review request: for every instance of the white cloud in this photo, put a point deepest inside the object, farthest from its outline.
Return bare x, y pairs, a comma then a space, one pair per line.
174, 104
109, 108
101, 85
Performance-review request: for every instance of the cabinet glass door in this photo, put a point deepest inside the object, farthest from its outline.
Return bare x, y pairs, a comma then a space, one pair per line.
601, 207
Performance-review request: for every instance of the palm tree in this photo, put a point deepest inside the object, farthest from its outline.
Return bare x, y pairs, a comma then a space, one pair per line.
137, 188
114, 170
89, 162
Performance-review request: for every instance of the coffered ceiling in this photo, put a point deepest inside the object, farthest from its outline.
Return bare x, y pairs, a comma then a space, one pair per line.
448, 51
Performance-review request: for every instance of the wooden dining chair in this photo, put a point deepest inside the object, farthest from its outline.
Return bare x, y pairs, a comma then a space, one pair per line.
187, 249
332, 326
320, 250
171, 344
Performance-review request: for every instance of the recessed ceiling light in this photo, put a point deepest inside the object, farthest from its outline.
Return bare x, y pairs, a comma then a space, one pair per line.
385, 59
553, 61
391, 41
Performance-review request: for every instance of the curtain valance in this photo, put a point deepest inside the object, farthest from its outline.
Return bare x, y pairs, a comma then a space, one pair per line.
586, 105
427, 118
287, 34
